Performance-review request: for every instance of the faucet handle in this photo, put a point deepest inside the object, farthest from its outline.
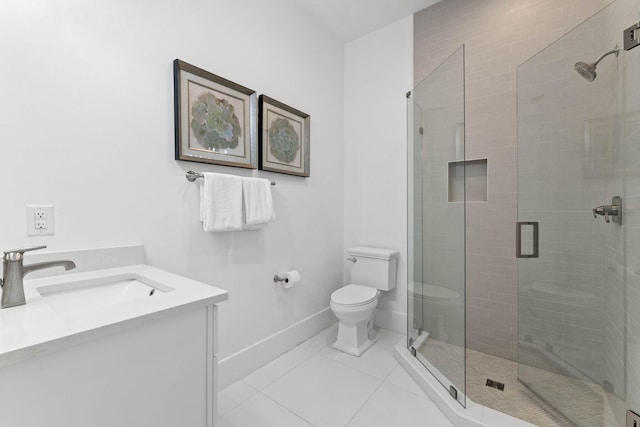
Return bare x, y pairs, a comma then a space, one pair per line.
17, 253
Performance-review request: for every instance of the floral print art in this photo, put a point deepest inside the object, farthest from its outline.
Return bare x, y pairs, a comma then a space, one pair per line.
214, 123
283, 140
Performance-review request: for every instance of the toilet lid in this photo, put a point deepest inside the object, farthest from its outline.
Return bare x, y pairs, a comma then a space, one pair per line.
354, 295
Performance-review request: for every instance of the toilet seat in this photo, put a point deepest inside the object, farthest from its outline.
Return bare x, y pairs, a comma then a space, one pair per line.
354, 295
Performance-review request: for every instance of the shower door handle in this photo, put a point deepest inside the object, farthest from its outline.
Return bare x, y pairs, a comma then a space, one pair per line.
534, 236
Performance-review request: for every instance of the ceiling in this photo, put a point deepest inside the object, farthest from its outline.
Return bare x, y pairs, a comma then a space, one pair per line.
351, 19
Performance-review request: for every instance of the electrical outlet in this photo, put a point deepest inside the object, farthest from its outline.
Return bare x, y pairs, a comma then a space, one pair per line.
39, 220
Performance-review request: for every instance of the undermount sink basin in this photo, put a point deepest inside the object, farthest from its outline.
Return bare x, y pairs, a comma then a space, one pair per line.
93, 294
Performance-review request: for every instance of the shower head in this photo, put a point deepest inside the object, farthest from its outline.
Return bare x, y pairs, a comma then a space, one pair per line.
588, 71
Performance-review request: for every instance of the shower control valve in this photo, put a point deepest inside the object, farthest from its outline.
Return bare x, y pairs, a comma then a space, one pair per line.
613, 210
631, 36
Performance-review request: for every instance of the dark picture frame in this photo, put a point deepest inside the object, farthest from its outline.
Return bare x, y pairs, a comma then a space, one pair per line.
283, 137
215, 118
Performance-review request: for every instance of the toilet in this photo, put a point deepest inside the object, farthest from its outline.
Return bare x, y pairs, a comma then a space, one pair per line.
373, 270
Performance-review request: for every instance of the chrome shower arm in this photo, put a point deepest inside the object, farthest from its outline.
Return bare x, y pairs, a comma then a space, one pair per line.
604, 55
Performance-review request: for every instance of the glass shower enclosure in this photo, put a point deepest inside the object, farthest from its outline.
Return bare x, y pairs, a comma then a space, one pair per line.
577, 226
436, 171
576, 165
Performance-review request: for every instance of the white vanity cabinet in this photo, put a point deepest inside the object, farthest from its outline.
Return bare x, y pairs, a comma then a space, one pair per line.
143, 363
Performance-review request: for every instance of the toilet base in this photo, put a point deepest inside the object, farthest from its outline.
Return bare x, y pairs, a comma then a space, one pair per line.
355, 327
357, 351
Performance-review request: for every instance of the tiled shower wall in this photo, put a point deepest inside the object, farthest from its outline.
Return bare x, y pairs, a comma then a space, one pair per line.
441, 99
570, 160
498, 36
627, 264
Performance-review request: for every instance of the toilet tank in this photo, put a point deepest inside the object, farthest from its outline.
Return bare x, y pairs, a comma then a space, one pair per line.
373, 267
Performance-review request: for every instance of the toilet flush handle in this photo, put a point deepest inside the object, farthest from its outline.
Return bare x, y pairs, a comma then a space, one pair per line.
352, 259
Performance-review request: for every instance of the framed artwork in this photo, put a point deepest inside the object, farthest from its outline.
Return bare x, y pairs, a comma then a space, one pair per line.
284, 138
215, 118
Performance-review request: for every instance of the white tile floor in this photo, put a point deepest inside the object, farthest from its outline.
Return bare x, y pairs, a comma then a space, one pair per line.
315, 385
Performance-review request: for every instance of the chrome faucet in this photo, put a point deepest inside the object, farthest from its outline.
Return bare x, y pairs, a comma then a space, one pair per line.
14, 272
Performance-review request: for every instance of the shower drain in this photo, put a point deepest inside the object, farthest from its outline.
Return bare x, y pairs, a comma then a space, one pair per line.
494, 384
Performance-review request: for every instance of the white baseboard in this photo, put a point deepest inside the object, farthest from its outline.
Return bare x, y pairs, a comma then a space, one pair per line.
237, 366
391, 320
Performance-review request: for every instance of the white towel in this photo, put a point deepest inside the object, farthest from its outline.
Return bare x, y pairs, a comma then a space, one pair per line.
258, 203
221, 202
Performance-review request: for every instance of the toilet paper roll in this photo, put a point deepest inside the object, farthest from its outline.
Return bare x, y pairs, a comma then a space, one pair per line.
290, 278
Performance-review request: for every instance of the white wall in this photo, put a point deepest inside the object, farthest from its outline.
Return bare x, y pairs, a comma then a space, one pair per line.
86, 102
377, 75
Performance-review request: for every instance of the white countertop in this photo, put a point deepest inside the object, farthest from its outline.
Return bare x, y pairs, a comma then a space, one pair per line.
38, 327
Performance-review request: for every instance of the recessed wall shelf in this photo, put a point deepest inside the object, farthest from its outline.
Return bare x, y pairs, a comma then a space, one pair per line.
474, 173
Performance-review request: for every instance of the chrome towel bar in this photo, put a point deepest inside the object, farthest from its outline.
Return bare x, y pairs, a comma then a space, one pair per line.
192, 176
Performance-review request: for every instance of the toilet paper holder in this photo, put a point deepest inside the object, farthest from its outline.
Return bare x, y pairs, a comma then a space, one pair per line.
277, 278
287, 279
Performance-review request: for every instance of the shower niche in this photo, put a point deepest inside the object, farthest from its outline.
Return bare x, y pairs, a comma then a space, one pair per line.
468, 181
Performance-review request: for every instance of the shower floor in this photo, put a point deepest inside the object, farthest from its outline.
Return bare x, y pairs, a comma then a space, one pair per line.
586, 403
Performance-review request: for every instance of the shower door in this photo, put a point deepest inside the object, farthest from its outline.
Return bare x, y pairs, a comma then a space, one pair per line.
571, 290
436, 327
